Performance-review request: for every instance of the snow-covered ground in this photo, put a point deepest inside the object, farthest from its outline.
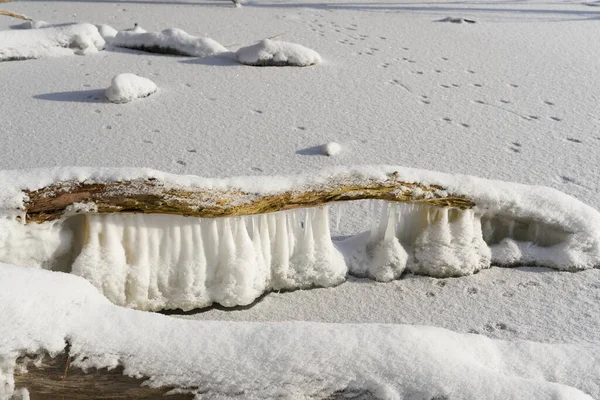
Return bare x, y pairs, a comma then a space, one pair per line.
512, 96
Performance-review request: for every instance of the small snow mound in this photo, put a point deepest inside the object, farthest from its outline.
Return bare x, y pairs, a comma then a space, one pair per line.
107, 32
275, 53
128, 87
170, 41
331, 149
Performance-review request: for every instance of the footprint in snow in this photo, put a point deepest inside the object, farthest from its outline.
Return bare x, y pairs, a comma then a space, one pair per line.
574, 140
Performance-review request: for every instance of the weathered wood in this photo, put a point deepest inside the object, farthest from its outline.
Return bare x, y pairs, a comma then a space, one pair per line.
154, 197
55, 378
12, 14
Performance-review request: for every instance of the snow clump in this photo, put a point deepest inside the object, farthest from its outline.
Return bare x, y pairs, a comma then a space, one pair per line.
279, 54
170, 41
127, 87
107, 32
54, 41
331, 149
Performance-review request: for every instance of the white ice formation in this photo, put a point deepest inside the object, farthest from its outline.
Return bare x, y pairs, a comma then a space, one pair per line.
170, 41
154, 262
159, 261
269, 52
53, 41
127, 87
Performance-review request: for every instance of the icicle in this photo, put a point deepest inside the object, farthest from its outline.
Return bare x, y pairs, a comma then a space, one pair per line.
338, 217
383, 220
390, 229
374, 220
281, 254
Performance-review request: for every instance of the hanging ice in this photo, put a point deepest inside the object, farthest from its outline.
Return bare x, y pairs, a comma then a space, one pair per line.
163, 261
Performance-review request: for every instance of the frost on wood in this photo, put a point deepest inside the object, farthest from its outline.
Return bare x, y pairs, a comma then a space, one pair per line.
150, 244
275, 53
22, 44
170, 41
127, 87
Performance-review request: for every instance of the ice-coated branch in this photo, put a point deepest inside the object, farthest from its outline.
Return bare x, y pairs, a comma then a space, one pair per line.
151, 196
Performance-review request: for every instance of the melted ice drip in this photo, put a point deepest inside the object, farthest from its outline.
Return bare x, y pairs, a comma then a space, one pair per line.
162, 261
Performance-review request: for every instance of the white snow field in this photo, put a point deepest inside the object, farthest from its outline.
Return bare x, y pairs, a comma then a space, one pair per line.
267, 360
510, 97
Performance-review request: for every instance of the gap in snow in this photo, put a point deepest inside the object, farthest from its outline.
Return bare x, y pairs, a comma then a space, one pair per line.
157, 261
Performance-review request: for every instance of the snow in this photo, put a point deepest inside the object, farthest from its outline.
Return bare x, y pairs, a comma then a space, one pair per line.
107, 32
269, 52
128, 87
170, 41
332, 149
508, 98
293, 359
56, 41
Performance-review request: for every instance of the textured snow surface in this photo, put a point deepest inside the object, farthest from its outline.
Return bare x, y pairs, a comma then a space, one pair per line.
127, 87
293, 359
269, 52
50, 42
172, 40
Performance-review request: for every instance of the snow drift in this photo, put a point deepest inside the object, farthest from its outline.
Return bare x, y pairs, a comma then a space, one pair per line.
170, 41
42, 310
53, 41
127, 87
276, 53
152, 261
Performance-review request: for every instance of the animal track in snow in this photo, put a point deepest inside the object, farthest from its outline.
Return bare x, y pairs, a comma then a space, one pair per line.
557, 119
472, 290
516, 147
548, 103
181, 162
529, 284
570, 139
258, 111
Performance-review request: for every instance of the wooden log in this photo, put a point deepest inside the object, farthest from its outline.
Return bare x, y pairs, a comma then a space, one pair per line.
56, 378
12, 14
152, 196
